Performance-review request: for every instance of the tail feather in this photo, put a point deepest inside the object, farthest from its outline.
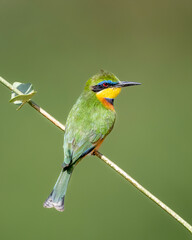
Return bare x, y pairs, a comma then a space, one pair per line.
56, 198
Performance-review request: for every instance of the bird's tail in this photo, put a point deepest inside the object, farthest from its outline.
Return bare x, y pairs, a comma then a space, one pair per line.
56, 198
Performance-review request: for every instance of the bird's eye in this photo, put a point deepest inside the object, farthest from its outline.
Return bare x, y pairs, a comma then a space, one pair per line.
105, 84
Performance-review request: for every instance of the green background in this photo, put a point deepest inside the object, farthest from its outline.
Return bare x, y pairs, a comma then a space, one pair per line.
57, 45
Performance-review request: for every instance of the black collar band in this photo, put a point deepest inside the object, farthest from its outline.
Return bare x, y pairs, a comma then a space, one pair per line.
110, 100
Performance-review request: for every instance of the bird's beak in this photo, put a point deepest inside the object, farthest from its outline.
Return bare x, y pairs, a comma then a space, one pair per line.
126, 84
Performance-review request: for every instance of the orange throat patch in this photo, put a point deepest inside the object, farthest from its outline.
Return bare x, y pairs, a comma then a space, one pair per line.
107, 104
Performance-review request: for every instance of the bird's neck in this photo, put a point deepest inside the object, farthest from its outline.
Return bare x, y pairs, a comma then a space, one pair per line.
94, 99
108, 103
107, 96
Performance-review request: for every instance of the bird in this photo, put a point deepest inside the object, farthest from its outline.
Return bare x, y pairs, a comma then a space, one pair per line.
90, 120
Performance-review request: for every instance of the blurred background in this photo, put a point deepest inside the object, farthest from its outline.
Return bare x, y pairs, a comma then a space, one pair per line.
57, 45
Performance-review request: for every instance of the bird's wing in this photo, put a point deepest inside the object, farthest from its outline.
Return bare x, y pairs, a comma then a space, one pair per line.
75, 149
87, 124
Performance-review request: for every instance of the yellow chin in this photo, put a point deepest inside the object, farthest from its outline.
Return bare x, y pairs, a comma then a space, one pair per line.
108, 93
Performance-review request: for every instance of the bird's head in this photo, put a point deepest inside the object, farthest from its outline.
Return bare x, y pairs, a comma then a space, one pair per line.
106, 86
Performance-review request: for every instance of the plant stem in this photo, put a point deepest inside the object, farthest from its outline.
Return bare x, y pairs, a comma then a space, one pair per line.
107, 161
46, 115
34, 105
144, 191
10, 86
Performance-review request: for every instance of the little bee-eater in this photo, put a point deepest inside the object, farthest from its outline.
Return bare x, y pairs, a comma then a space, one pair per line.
90, 120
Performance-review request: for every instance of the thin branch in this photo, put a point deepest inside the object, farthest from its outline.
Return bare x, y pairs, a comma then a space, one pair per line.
107, 161
47, 115
34, 105
144, 191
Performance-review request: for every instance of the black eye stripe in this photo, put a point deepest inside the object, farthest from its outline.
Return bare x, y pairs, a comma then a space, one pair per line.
97, 88
102, 86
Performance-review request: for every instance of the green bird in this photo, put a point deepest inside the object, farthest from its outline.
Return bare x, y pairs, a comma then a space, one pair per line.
90, 120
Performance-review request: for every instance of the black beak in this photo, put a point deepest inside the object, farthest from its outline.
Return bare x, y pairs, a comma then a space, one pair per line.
126, 84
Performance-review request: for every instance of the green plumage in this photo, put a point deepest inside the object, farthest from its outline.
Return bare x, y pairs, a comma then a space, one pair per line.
88, 123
